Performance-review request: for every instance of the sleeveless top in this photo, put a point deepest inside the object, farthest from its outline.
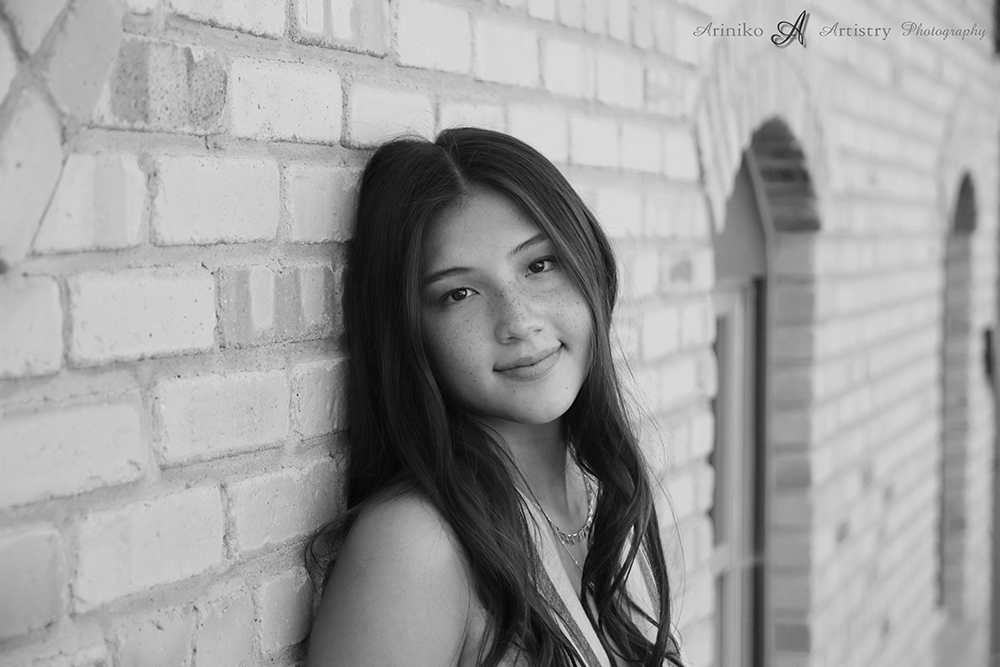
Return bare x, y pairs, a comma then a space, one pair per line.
558, 591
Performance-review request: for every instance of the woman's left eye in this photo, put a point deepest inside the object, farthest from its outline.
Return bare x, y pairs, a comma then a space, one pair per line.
542, 265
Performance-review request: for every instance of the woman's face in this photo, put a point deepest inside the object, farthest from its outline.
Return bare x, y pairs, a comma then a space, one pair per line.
507, 331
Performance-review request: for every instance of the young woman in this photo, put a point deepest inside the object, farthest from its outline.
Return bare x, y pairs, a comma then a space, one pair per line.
499, 511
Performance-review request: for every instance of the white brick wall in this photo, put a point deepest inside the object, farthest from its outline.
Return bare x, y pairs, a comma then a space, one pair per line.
284, 101
256, 16
593, 141
32, 579
30, 160
69, 451
98, 203
144, 544
320, 201
545, 128
377, 114
210, 416
505, 53
620, 79
225, 630
285, 610
140, 313
212, 200
568, 68
278, 507
31, 327
434, 36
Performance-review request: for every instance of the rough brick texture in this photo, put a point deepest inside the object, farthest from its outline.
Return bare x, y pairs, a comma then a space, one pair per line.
98, 204
213, 200
177, 190
32, 579
143, 544
69, 451
210, 416
279, 100
140, 313
31, 328
30, 161
83, 53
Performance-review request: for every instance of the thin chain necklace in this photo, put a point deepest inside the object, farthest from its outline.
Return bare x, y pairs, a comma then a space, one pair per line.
580, 535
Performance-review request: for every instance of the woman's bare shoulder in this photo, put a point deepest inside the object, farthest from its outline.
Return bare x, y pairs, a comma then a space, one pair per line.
400, 591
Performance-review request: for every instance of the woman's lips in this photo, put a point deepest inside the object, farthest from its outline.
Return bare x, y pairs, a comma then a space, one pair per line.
531, 366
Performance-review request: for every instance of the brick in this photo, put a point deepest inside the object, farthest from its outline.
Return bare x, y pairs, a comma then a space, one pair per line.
285, 505
202, 200
595, 16
619, 208
687, 47
570, 13
544, 128
377, 114
467, 114
670, 92
209, 416
285, 604
618, 19
620, 79
83, 54
163, 85
593, 141
660, 332
259, 305
225, 631
8, 64
319, 403
71, 642
157, 639
258, 17
640, 267
141, 6
139, 313
641, 147
31, 327
271, 100
505, 53
69, 450
320, 201
359, 25
32, 19
98, 204
568, 68
433, 36
30, 161
32, 579
642, 24
542, 9
680, 155
663, 28
144, 544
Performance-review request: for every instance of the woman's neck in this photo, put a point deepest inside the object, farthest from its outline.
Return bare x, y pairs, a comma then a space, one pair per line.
542, 458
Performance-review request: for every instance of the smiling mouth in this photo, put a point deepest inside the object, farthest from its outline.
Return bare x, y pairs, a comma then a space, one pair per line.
530, 366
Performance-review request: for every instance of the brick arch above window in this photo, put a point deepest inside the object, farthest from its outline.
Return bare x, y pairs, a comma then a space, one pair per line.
746, 91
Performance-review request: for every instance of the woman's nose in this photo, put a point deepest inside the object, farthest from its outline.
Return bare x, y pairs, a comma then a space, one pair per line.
517, 316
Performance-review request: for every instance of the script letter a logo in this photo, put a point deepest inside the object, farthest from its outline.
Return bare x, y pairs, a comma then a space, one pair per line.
789, 31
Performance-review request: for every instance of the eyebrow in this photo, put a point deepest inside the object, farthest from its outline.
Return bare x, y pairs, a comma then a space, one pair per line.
537, 239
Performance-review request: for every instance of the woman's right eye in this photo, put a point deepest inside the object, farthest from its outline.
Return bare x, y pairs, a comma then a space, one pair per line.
456, 295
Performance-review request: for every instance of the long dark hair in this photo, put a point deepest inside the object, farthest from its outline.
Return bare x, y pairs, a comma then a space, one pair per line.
405, 432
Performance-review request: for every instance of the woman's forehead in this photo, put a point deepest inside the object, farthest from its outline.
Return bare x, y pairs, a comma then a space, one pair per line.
485, 223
